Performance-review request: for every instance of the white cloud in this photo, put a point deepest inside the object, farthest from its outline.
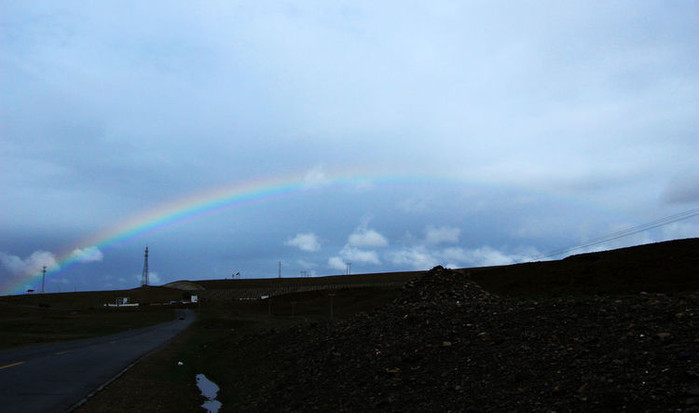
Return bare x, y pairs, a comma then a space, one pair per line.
349, 254
485, 256
337, 263
417, 258
367, 238
306, 264
305, 242
421, 257
316, 177
90, 254
443, 234
357, 255
679, 230
356, 249
31, 265
364, 237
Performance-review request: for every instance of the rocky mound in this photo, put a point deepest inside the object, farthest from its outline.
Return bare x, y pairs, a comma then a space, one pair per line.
448, 345
440, 285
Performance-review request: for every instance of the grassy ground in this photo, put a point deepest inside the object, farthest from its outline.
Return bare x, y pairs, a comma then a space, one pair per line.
44, 318
21, 327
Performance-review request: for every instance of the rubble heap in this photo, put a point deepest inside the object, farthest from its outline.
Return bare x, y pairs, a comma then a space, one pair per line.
440, 285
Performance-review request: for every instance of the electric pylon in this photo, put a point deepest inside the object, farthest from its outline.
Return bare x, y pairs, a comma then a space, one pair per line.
144, 277
43, 278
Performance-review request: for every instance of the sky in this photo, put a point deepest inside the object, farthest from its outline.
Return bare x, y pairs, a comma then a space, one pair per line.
327, 137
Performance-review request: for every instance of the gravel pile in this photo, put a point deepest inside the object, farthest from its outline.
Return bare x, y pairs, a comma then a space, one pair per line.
448, 345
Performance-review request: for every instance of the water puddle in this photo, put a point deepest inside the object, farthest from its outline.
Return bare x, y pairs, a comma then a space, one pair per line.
208, 389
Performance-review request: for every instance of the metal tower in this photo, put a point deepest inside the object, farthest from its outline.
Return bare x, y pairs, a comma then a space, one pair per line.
144, 277
43, 278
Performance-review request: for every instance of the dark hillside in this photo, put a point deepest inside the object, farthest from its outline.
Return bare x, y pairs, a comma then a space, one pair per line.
663, 267
449, 344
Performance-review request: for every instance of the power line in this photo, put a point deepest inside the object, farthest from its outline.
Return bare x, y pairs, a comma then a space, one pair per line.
625, 232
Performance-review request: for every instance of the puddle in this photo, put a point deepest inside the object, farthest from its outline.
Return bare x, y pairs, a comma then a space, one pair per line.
208, 389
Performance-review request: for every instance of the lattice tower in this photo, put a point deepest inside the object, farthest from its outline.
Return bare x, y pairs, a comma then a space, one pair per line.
144, 277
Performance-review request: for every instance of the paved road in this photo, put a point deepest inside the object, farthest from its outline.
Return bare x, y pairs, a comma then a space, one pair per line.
53, 378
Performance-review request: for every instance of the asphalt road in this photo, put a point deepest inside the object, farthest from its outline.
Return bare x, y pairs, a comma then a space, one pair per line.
55, 377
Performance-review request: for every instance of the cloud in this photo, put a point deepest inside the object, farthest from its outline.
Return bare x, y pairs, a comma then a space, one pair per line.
678, 230
316, 177
356, 255
337, 263
415, 258
444, 234
683, 189
416, 204
305, 242
306, 265
367, 238
486, 256
421, 257
85, 255
32, 265
364, 237
353, 255
358, 250
153, 278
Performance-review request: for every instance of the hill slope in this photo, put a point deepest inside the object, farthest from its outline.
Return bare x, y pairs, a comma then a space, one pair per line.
660, 267
448, 344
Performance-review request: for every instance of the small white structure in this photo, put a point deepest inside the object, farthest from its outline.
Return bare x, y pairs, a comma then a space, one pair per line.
194, 299
122, 302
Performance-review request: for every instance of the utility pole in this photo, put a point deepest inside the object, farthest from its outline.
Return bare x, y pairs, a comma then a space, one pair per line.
280, 269
144, 276
43, 278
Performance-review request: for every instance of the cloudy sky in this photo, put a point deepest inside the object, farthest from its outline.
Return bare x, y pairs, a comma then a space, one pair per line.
388, 135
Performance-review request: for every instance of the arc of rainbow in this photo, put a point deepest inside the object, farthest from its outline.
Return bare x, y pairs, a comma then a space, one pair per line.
202, 204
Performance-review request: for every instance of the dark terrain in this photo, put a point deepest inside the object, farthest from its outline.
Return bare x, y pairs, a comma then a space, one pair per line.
31, 319
608, 331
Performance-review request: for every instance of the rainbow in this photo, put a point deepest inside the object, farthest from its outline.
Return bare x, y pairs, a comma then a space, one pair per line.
209, 202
